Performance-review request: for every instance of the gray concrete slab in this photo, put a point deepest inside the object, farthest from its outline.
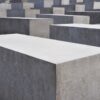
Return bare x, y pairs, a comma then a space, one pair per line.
30, 26
44, 69
78, 33
62, 19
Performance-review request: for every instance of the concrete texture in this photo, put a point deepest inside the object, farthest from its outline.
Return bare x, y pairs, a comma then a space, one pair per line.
29, 70
78, 33
29, 26
62, 19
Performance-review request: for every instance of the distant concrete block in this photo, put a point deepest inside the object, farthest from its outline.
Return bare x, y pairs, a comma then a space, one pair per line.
96, 5
94, 15
80, 7
15, 13
48, 3
31, 12
62, 19
30, 26
27, 5
3, 13
58, 10
42, 69
5, 6
78, 33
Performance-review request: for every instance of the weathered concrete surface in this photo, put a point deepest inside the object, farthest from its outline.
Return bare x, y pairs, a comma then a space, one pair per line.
30, 26
62, 19
54, 70
79, 33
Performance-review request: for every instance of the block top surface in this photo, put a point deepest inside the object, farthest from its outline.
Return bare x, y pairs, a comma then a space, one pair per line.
79, 25
52, 51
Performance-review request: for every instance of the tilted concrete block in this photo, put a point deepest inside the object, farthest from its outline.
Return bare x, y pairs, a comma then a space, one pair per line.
79, 33
42, 69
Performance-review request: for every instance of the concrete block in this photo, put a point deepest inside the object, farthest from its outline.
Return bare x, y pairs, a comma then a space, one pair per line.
79, 1
17, 6
94, 15
5, 6
3, 13
42, 69
30, 26
48, 3
78, 33
27, 5
58, 10
80, 7
62, 19
15, 13
96, 5
32, 12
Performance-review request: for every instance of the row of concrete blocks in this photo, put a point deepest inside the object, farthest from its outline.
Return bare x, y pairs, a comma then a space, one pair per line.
80, 33
24, 5
29, 26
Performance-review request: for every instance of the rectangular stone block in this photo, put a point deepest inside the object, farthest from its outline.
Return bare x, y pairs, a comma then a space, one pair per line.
62, 19
58, 10
94, 15
15, 13
27, 5
31, 12
30, 26
41, 69
3, 13
78, 33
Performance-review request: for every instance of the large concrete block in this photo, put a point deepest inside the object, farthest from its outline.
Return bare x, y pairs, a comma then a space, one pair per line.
61, 19
79, 33
30, 26
41, 69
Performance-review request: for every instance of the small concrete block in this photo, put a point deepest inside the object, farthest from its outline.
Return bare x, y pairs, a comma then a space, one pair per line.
33, 68
27, 5
63, 19
31, 12
58, 10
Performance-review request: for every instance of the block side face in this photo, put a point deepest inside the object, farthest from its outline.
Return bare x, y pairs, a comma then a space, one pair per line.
77, 35
9, 26
26, 78
79, 79
40, 27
